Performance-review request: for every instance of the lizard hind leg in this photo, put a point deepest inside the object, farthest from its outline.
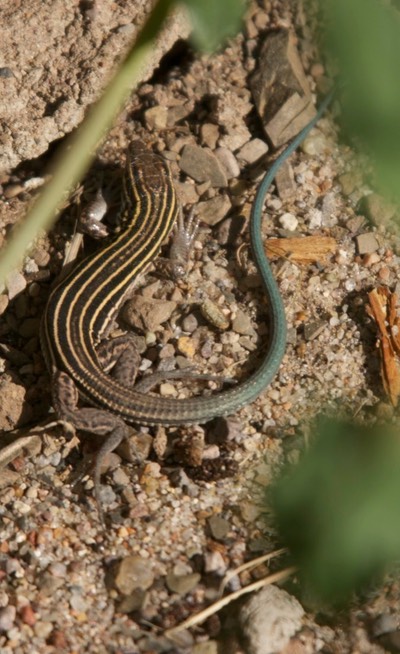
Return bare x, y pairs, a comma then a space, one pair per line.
95, 421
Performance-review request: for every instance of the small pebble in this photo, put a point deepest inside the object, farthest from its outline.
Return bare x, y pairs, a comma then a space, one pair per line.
206, 349
120, 477
213, 211
252, 151
166, 351
6, 72
35, 182
242, 324
315, 144
150, 338
219, 527
189, 323
179, 478
289, 222
186, 346
133, 572
182, 584
350, 285
186, 192
213, 314
168, 390
317, 70
156, 118
209, 133
134, 602
211, 453
202, 165
21, 507
235, 137
384, 274
366, 243
7, 617
12, 190
41, 257
178, 113
228, 162
58, 569
313, 329
269, 619
371, 259
30, 266
384, 624
15, 283
350, 181
58, 640
215, 563
378, 209
285, 183
355, 223
315, 219
28, 615
147, 313
43, 629
77, 602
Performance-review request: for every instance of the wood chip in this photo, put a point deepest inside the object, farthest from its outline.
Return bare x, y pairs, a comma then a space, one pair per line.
383, 309
307, 249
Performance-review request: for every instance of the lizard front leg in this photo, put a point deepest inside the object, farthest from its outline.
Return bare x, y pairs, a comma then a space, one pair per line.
120, 358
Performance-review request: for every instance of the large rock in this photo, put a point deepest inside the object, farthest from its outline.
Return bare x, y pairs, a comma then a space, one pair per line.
56, 59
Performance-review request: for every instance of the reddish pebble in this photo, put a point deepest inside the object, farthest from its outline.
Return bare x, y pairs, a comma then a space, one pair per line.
18, 463
325, 185
370, 259
58, 640
32, 538
317, 70
28, 615
384, 274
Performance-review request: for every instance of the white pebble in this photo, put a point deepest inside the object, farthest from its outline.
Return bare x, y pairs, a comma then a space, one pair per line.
349, 285
289, 222
275, 203
145, 364
21, 507
315, 143
30, 266
315, 218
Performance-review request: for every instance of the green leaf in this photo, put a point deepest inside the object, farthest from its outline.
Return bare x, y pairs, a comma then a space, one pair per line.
214, 21
364, 40
338, 510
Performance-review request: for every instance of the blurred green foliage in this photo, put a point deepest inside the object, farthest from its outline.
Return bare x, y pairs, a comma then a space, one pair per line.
363, 41
214, 21
338, 510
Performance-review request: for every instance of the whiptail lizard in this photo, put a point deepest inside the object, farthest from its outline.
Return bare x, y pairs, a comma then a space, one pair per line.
82, 306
